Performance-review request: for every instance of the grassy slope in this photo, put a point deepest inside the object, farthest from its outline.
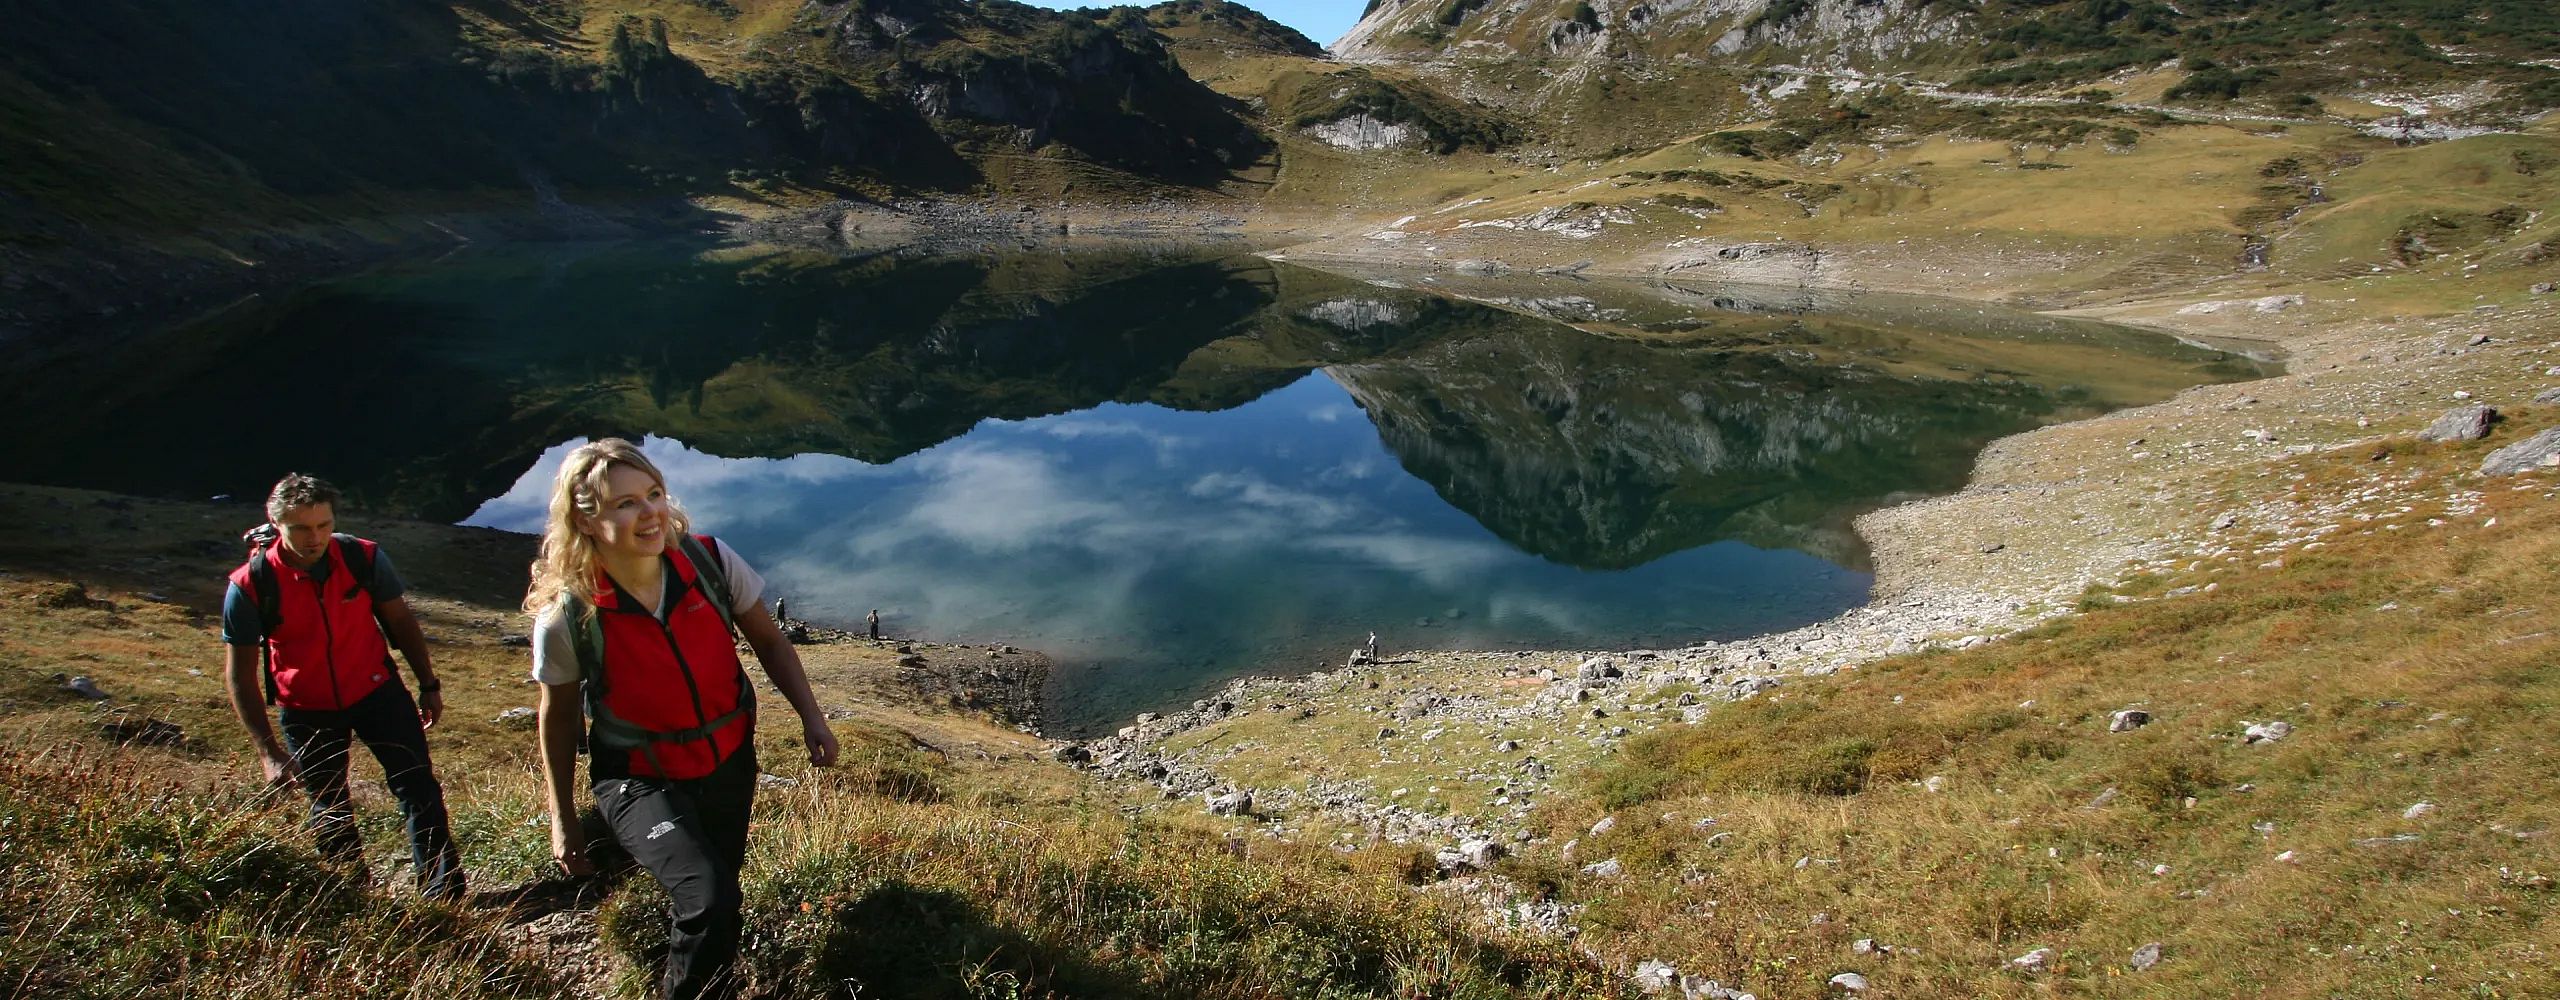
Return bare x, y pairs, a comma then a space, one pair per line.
2031, 204
2411, 645
2431, 682
939, 860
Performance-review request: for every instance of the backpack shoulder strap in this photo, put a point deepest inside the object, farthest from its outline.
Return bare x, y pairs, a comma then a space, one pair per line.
586, 637
263, 593
710, 574
262, 589
358, 553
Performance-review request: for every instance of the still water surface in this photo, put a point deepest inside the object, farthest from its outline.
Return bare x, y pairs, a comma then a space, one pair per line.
1163, 469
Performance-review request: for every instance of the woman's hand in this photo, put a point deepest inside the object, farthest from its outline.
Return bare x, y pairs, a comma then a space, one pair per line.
821, 741
281, 769
782, 665
556, 724
568, 849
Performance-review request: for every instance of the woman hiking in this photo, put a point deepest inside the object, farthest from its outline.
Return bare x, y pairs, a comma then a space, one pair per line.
633, 621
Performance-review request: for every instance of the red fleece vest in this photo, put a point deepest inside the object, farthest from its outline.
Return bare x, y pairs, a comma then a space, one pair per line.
327, 651
678, 675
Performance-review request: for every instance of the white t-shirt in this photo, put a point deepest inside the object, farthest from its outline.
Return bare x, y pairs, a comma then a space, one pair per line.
555, 644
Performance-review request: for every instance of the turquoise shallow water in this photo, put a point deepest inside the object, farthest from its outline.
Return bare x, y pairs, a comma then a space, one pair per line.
1163, 469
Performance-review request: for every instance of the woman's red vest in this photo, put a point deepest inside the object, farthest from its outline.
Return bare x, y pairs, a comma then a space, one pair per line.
326, 652
675, 676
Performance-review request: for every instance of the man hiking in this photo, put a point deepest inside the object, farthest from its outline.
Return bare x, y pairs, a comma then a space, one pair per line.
316, 607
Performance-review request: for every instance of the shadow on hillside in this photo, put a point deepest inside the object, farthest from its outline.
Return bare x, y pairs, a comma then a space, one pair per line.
903, 940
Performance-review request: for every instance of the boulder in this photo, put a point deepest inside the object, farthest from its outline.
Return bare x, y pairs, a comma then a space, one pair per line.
2541, 451
1654, 975
2266, 732
2145, 957
2462, 423
2033, 962
1850, 981
1703, 988
84, 687
1604, 869
2550, 395
2128, 720
518, 718
1235, 803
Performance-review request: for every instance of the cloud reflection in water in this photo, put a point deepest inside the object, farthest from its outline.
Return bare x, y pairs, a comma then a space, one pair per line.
1156, 551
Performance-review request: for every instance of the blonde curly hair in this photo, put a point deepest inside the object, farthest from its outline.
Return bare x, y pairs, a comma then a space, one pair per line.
567, 564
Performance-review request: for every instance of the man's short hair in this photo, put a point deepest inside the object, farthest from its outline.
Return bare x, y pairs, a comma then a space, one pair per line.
296, 490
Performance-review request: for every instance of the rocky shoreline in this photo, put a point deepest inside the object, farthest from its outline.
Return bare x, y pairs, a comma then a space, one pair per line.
2010, 550
926, 227
1001, 682
1638, 688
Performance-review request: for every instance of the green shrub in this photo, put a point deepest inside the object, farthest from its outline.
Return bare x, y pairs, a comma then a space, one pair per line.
1756, 144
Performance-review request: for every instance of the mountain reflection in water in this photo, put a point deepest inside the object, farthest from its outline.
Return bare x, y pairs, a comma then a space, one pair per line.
1162, 469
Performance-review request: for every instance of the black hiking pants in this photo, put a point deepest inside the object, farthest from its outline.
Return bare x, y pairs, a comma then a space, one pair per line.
692, 835
387, 722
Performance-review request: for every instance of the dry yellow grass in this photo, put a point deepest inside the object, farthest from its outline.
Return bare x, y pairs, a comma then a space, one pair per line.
2417, 657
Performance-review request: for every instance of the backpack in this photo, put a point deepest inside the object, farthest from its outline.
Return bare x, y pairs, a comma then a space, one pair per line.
263, 592
586, 635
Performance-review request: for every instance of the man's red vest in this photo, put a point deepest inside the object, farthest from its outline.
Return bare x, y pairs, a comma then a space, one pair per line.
679, 674
327, 652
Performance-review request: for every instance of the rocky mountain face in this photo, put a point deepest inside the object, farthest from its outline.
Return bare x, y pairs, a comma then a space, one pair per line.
1749, 32
2269, 53
315, 99
1230, 26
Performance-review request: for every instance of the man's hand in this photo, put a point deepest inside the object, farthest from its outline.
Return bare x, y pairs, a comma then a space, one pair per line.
570, 851
281, 770
821, 741
430, 708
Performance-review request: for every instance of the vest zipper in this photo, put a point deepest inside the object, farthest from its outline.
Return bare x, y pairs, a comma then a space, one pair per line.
329, 639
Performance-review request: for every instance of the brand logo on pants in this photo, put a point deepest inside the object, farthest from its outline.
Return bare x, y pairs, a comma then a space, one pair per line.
662, 829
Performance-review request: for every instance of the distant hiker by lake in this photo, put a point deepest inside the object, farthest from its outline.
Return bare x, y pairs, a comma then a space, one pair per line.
634, 626
308, 624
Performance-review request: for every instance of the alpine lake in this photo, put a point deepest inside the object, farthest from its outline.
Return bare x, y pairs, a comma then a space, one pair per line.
1162, 468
